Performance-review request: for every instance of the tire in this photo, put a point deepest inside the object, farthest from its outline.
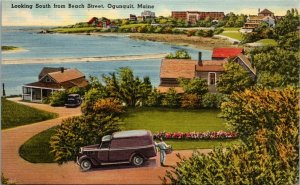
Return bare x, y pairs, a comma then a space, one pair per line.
137, 160
85, 165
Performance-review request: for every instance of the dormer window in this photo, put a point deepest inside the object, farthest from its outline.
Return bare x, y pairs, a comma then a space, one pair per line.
47, 79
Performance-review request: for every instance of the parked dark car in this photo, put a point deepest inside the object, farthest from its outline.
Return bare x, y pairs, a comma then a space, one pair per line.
134, 146
73, 100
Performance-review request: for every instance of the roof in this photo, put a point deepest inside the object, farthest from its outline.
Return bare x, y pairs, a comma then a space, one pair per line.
45, 85
47, 70
226, 52
92, 20
211, 66
247, 62
131, 133
165, 89
67, 75
178, 68
265, 11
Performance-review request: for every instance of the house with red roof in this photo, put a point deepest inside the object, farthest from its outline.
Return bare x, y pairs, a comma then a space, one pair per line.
223, 53
51, 80
210, 70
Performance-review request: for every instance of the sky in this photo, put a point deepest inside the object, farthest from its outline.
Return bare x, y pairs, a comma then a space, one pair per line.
59, 17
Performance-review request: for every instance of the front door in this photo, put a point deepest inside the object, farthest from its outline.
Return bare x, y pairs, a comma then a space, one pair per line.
103, 152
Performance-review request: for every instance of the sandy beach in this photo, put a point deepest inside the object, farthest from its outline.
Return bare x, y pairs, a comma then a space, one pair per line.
83, 59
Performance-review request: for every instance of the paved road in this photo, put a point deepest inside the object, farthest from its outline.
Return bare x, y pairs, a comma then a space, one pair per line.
23, 172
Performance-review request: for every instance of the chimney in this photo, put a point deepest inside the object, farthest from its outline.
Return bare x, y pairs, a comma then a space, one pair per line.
62, 69
200, 58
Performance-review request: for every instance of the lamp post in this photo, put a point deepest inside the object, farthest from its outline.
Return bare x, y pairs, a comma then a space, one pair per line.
3, 90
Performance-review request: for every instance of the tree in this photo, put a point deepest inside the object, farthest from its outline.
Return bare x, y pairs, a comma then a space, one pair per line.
288, 24
154, 99
279, 61
190, 101
127, 88
196, 86
171, 99
235, 78
180, 54
267, 79
84, 130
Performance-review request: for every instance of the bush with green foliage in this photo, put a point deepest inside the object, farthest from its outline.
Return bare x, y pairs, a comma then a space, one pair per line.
235, 78
154, 99
58, 98
75, 90
196, 86
84, 130
267, 122
212, 100
127, 88
171, 99
180, 54
190, 101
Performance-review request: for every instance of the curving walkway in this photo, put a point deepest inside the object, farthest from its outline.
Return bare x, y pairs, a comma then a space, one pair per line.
23, 172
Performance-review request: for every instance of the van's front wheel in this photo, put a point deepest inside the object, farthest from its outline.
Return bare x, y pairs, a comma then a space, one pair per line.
137, 160
85, 165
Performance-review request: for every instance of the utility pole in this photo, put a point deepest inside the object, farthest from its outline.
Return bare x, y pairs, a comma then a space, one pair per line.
3, 90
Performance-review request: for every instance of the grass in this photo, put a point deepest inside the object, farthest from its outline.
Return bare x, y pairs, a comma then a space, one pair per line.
178, 120
132, 26
235, 35
269, 42
15, 114
37, 149
8, 48
173, 120
231, 29
73, 30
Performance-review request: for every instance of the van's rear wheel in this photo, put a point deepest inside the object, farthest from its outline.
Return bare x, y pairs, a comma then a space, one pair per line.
85, 165
137, 160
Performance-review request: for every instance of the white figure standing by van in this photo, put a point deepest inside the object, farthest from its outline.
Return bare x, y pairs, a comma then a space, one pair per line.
162, 148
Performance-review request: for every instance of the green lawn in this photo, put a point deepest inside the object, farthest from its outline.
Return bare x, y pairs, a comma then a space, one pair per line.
235, 35
73, 30
37, 148
15, 114
231, 29
173, 120
269, 42
132, 26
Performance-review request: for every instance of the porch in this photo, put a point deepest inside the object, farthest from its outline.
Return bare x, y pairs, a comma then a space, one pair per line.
37, 94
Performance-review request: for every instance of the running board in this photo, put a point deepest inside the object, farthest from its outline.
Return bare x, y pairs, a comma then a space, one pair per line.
126, 162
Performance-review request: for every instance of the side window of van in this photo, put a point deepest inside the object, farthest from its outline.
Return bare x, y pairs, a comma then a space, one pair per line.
105, 145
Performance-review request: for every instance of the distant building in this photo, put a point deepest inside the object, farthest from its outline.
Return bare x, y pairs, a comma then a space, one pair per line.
194, 16
148, 14
51, 80
209, 70
132, 17
100, 22
265, 13
253, 21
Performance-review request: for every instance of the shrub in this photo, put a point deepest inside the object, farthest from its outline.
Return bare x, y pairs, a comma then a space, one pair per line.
90, 97
154, 99
218, 31
171, 99
180, 54
75, 90
190, 101
84, 130
196, 86
212, 100
58, 98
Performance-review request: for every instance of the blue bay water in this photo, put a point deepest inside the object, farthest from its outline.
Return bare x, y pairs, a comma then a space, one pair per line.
68, 45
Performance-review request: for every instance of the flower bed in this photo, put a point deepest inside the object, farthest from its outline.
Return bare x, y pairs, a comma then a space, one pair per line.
196, 135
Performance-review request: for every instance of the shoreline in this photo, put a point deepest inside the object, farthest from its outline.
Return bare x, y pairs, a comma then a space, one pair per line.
83, 59
195, 42
18, 50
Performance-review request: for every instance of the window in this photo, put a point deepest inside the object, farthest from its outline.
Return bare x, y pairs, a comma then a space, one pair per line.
211, 78
105, 145
26, 90
47, 79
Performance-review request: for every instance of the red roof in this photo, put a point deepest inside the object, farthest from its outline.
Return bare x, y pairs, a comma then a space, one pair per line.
223, 53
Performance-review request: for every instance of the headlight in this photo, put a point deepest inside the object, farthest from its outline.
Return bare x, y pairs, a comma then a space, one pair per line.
81, 150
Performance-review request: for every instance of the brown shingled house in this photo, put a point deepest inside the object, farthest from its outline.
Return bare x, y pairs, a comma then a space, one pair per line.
210, 70
53, 79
